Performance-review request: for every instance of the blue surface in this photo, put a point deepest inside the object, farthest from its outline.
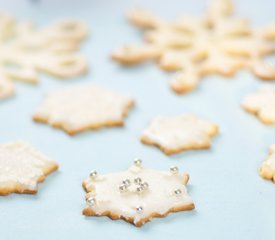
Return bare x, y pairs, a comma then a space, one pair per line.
232, 201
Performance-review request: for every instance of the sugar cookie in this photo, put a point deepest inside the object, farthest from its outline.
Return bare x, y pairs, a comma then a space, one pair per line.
6, 88
267, 170
175, 134
22, 168
262, 104
137, 195
25, 51
216, 43
80, 108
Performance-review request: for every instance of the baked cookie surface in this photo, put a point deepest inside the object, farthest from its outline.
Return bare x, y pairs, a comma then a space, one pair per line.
137, 195
262, 104
80, 108
22, 168
267, 170
26, 51
216, 43
176, 134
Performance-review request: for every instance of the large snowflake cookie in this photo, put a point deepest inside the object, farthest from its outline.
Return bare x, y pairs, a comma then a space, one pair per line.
137, 195
175, 134
25, 51
22, 168
216, 43
267, 170
262, 104
79, 108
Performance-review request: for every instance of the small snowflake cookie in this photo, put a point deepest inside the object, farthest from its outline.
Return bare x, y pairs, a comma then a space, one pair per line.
26, 51
262, 104
267, 170
22, 168
137, 195
79, 108
216, 43
175, 134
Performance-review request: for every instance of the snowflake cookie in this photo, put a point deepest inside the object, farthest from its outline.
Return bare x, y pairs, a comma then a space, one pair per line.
175, 134
262, 104
267, 170
216, 43
25, 51
22, 168
137, 195
79, 108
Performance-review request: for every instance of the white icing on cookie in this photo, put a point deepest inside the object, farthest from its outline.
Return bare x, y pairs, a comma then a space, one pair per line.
175, 134
22, 167
267, 169
166, 192
84, 107
216, 43
262, 104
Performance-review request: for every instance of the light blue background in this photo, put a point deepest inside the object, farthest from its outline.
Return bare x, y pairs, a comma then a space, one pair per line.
232, 201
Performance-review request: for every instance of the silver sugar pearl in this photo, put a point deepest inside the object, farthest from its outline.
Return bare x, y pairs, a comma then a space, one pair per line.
91, 201
137, 180
174, 169
126, 182
140, 189
123, 188
145, 185
93, 174
138, 162
139, 209
177, 192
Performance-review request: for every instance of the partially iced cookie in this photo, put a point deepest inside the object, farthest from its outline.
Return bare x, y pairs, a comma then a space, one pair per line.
137, 195
22, 168
84, 107
262, 104
175, 134
267, 170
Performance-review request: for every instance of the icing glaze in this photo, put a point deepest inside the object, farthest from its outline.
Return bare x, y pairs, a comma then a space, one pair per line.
173, 134
160, 197
22, 167
82, 107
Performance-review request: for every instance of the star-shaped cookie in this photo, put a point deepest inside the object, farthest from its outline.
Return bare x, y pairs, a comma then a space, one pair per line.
216, 43
83, 107
22, 168
267, 170
25, 51
137, 195
175, 134
262, 104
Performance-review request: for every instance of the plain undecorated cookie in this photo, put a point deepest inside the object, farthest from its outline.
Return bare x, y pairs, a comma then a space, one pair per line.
22, 168
175, 134
6, 88
262, 104
267, 170
137, 195
83, 107
216, 43
27, 51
